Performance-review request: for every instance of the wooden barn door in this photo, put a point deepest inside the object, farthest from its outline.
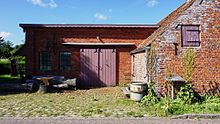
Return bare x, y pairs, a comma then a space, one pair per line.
98, 67
107, 67
89, 67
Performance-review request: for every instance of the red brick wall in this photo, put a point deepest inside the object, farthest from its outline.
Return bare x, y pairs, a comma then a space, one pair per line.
206, 74
38, 38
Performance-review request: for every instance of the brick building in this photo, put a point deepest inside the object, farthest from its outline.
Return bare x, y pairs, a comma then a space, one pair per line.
108, 55
97, 55
195, 24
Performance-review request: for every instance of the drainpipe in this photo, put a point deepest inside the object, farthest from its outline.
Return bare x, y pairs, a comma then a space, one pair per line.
132, 66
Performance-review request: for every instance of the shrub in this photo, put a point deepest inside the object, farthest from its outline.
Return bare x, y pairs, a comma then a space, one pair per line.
151, 97
188, 61
5, 66
186, 94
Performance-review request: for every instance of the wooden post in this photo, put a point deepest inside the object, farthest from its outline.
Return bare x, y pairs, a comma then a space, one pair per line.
172, 94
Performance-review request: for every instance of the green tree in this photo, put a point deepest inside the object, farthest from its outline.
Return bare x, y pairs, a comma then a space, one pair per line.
5, 49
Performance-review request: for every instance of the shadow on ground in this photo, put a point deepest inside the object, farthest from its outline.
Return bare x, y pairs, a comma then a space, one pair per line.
19, 87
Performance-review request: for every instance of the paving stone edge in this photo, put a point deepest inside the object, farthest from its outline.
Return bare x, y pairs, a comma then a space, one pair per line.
197, 116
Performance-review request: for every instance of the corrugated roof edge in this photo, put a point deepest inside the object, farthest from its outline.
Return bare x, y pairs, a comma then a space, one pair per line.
88, 26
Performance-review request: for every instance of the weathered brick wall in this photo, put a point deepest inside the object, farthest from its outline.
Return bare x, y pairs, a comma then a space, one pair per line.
37, 39
139, 67
206, 74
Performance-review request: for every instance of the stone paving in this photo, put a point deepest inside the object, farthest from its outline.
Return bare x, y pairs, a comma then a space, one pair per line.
105, 121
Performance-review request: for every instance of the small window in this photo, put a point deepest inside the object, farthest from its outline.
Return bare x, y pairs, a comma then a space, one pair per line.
45, 61
65, 61
190, 36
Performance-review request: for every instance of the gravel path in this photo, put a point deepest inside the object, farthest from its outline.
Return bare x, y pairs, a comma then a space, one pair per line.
104, 121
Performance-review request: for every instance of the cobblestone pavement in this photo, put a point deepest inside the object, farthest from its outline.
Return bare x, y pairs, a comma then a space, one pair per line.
105, 121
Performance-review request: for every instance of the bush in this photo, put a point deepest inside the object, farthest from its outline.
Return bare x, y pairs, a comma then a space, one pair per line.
151, 97
5, 66
186, 94
169, 107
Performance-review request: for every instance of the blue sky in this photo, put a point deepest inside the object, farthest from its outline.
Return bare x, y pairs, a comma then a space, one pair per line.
14, 12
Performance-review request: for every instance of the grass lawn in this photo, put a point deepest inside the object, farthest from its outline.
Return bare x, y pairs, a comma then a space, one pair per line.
8, 78
101, 102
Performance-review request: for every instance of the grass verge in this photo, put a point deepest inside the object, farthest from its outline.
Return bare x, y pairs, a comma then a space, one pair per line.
168, 107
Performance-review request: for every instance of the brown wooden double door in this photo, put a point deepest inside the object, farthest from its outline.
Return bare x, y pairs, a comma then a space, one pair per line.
98, 67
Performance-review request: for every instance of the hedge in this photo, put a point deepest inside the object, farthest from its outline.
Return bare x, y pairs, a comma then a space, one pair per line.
5, 67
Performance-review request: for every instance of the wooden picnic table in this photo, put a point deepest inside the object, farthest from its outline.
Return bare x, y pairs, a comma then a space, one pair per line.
45, 80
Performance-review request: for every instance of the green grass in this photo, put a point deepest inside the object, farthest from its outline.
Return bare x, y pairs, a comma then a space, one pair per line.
8, 78
102, 102
168, 107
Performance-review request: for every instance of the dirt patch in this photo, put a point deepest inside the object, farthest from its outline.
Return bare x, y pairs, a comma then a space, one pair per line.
104, 90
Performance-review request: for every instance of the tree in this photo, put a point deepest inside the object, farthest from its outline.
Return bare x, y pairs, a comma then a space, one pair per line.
6, 53
5, 49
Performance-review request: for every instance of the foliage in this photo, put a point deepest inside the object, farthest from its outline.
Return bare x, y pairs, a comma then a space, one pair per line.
188, 61
15, 56
169, 107
151, 61
5, 66
4, 61
164, 107
8, 78
7, 53
186, 94
5, 69
5, 49
151, 97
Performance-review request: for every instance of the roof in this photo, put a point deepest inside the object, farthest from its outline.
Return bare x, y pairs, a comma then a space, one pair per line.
99, 44
87, 26
166, 22
20, 51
